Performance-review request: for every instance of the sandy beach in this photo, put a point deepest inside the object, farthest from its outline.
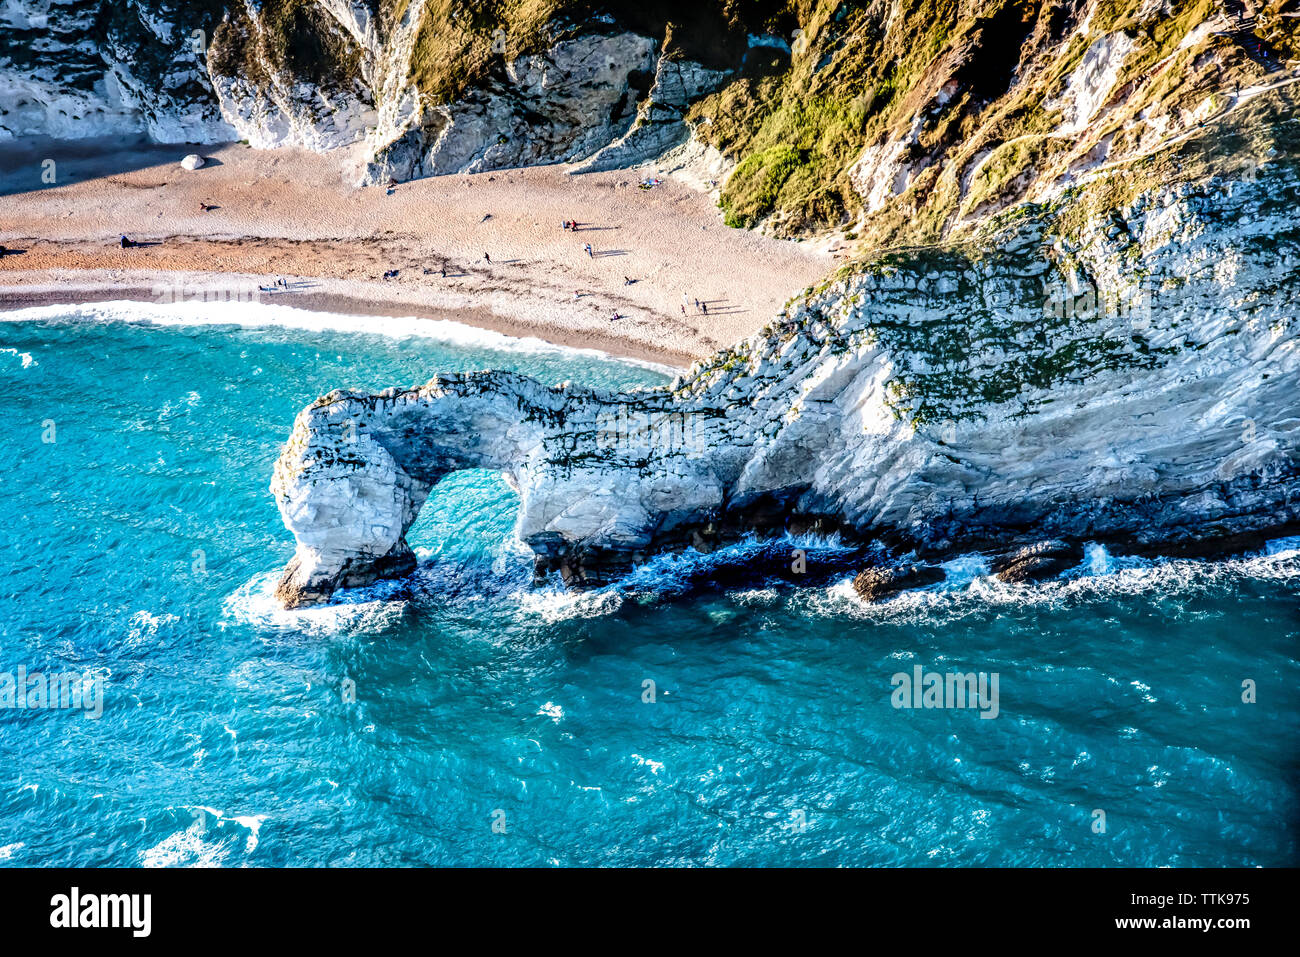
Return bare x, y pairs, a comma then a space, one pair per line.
287, 214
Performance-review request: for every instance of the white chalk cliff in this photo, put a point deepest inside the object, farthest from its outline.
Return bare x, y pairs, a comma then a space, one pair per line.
330, 74
1137, 383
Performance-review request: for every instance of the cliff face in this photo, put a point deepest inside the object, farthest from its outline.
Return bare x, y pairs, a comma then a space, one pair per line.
897, 121
80, 68
418, 88
910, 121
613, 100
1129, 378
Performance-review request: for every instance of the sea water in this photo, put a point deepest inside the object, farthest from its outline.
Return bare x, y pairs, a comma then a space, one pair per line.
1147, 711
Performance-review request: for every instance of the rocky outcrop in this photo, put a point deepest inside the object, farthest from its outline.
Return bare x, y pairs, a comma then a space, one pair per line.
544, 108
299, 83
328, 74
614, 99
1037, 562
660, 123
879, 582
1133, 381
85, 68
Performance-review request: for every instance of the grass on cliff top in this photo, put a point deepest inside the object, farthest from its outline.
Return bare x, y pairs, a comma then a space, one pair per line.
863, 75
457, 42
1158, 37
1013, 147
797, 124
798, 162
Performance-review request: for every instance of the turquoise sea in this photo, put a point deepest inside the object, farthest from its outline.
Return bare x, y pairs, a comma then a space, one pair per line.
470, 719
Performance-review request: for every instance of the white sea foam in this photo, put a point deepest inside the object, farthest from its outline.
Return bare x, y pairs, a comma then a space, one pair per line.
144, 626
278, 316
207, 842
1283, 548
759, 597
552, 605
963, 570
187, 848
968, 589
370, 609
654, 766
552, 711
25, 358
253, 824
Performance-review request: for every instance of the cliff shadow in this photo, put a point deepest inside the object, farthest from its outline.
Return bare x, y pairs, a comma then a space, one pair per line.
34, 163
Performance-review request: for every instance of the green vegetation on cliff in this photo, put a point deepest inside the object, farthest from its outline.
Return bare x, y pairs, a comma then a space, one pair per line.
964, 102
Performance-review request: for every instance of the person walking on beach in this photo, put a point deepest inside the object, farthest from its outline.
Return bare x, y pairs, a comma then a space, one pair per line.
683, 310
487, 258
704, 308
590, 254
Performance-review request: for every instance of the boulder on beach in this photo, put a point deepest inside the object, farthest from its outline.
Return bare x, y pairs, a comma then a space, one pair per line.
193, 161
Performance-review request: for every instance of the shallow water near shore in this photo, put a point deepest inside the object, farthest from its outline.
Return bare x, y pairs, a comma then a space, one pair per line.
397, 726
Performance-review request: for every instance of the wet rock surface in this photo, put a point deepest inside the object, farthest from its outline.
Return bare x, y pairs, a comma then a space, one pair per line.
1037, 562
876, 584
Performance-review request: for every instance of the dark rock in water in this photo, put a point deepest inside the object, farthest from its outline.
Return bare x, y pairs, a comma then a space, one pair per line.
873, 584
1037, 562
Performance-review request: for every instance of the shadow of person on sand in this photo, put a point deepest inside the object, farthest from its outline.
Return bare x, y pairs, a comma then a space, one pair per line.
720, 307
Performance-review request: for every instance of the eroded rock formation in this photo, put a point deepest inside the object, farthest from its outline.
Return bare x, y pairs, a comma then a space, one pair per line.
1134, 381
553, 107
